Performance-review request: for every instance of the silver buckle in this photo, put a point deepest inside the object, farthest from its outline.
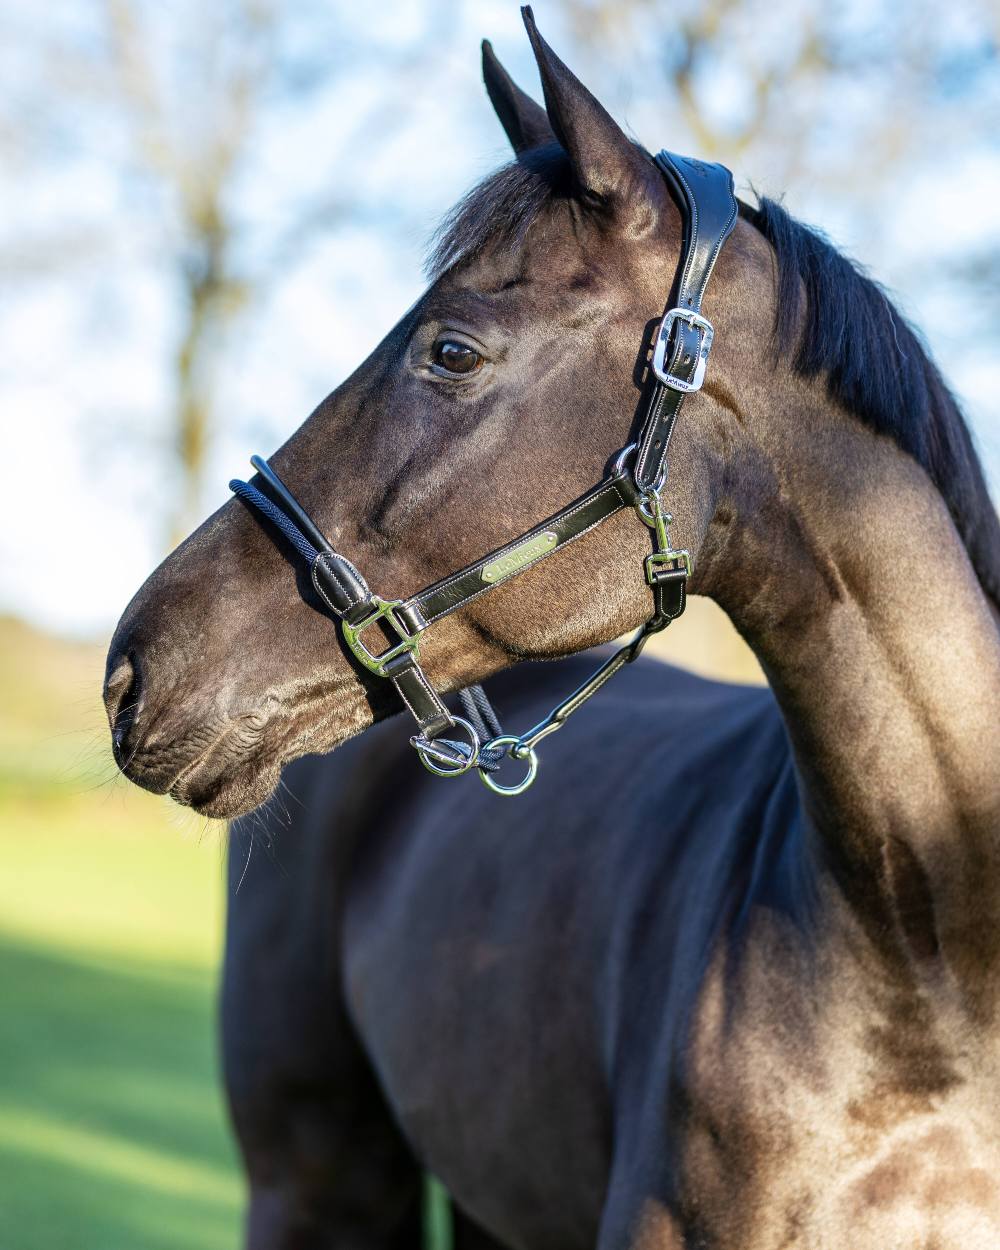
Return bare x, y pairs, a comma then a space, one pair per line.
663, 339
383, 610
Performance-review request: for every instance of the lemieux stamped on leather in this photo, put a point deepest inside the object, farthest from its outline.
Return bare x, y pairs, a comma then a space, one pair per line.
518, 557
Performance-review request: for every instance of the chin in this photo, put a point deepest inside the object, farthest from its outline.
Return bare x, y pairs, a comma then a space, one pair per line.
228, 797
229, 782
241, 767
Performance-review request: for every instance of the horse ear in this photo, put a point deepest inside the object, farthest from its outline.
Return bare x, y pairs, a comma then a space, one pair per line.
613, 170
525, 122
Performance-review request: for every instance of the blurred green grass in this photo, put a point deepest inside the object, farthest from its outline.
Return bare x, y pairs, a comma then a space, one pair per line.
113, 1133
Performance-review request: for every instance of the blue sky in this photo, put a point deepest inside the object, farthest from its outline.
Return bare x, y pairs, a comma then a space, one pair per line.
84, 366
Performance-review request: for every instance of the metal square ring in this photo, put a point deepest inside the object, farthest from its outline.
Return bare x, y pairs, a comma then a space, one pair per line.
673, 564
699, 322
385, 609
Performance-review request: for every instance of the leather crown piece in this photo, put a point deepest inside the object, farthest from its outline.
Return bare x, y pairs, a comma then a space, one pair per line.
684, 340
704, 193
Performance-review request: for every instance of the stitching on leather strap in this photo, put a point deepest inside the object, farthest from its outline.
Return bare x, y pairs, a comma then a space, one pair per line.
325, 559
556, 519
321, 592
434, 591
693, 240
398, 680
400, 685
429, 690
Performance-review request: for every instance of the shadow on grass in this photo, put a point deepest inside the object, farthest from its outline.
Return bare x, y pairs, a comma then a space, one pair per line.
112, 1130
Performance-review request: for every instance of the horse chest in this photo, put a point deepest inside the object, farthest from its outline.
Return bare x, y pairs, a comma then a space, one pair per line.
827, 1108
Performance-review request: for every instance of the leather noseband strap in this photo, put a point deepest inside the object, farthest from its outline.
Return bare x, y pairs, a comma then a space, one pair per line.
704, 193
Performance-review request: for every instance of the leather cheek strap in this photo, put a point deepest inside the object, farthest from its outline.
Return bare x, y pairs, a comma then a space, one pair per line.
709, 210
419, 695
550, 536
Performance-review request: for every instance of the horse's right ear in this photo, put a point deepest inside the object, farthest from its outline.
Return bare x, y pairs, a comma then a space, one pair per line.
615, 174
526, 123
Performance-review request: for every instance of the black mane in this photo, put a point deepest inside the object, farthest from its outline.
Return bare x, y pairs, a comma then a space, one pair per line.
832, 321
876, 367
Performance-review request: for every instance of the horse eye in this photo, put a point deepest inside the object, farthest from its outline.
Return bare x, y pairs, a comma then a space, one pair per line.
456, 357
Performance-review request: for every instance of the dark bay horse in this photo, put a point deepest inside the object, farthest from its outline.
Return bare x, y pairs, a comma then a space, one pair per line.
728, 976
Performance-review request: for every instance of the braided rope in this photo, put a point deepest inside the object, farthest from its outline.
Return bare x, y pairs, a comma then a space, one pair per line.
478, 711
257, 499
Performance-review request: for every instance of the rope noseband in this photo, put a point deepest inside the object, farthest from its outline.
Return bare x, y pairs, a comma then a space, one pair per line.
704, 193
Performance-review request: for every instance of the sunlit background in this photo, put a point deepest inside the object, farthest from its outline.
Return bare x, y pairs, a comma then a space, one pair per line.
210, 214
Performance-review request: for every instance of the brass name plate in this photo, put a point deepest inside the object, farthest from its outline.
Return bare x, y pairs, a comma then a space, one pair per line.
518, 557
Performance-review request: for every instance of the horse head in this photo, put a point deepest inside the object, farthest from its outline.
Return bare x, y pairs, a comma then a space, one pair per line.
504, 392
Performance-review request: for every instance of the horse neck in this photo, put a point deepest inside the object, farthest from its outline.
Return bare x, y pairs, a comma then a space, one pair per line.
853, 587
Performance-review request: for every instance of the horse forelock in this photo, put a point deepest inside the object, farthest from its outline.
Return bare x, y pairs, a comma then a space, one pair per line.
499, 211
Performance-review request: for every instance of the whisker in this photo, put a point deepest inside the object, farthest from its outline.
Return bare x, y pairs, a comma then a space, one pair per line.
246, 866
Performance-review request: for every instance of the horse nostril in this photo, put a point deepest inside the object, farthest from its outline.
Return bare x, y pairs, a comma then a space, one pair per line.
122, 691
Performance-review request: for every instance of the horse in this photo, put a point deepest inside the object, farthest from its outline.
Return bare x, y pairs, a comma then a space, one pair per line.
727, 976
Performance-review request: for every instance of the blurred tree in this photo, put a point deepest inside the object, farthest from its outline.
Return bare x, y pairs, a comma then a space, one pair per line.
195, 119
797, 90
181, 104
195, 167
158, 129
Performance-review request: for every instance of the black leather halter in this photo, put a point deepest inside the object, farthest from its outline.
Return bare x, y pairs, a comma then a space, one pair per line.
704, 193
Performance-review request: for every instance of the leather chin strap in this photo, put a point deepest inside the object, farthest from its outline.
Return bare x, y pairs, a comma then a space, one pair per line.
704, 193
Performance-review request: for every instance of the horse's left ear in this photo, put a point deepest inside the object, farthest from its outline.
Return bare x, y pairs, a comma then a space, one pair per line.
524, 121
615, 174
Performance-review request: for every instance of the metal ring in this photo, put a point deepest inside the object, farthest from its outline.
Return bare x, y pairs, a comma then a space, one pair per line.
618, 468
510, 740
442, 765
647, 517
